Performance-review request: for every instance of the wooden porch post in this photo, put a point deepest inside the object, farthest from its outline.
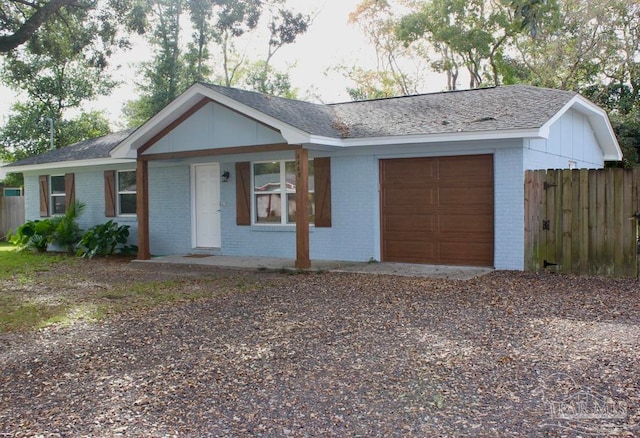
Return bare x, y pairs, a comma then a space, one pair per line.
142, 208
302, 209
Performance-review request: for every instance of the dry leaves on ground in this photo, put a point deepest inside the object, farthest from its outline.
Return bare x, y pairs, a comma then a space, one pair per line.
507, 354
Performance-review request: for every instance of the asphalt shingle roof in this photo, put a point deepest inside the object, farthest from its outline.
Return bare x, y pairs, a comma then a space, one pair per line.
485, 109
92, 148
314, 118
501, 108
489, 109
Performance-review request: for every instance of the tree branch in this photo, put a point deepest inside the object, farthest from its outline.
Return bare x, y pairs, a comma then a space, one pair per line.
33, 23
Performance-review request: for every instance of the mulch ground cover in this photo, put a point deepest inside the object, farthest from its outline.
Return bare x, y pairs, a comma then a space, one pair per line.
506, 354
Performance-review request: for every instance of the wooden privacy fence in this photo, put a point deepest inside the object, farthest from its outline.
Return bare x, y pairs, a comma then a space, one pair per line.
582, 221
11, 214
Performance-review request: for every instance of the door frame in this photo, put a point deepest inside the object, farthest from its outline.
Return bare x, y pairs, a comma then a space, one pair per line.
194, 216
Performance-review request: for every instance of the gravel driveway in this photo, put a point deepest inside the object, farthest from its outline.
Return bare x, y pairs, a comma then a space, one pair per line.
335, 354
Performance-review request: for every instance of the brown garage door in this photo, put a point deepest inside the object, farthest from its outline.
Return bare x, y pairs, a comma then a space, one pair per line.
437, 210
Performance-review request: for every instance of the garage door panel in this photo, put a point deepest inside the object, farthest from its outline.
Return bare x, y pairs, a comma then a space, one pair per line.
471, 253
410, 252
398, 198
438, 210
466, 224
413, 171
416, 223
463, 196
474, 167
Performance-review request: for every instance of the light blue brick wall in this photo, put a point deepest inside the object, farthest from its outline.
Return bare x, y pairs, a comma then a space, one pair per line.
169, 209
354, 198
352, 236
509, 209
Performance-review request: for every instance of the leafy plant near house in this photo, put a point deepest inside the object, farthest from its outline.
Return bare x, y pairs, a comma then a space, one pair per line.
66, 231
32, 235
104, 240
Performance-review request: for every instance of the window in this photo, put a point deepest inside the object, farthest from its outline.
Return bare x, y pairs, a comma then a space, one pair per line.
127, 192
274, 192
58, 195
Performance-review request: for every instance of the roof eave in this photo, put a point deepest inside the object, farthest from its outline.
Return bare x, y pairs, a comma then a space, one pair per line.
68, 164
427, 138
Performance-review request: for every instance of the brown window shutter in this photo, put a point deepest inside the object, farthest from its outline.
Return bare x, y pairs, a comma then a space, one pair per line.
44, 195
110, 193
69, 189
322, 182
243, 193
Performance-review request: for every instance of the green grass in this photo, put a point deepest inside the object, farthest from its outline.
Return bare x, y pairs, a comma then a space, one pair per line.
23, 307
26, 264
19, 315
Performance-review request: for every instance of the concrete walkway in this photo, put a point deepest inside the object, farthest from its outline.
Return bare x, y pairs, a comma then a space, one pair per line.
282, 264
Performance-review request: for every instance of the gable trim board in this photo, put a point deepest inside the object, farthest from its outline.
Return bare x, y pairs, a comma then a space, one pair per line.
513, 128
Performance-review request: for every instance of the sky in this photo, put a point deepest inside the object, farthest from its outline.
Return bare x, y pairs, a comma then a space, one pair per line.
330, 41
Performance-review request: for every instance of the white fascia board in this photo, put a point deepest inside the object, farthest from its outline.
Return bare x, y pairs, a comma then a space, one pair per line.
599, 121
430, 138
69, 164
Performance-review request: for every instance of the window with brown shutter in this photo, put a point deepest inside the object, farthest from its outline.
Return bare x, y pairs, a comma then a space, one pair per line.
243, 193
43, 182
110, 193
322, 182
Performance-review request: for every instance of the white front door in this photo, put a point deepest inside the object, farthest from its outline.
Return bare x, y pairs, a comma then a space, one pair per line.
206, 186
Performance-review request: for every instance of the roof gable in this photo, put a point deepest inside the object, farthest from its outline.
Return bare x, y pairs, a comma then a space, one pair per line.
213, 127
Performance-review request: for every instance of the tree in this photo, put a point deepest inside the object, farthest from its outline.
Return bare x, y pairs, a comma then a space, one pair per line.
371, 84
163, 77
284, 27
21, 20
57, 70
468, 34
265, 79
219, 23
26, 132
394, 58
571, 45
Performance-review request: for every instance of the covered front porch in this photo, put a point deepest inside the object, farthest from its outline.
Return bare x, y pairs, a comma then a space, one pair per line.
244, 200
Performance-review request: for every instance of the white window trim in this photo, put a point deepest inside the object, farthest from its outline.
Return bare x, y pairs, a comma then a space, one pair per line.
52, 196
283, 196
125, 192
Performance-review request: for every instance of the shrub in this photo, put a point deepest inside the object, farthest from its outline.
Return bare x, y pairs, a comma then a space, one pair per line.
66, 231
104, 239
60, 230
33, 235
